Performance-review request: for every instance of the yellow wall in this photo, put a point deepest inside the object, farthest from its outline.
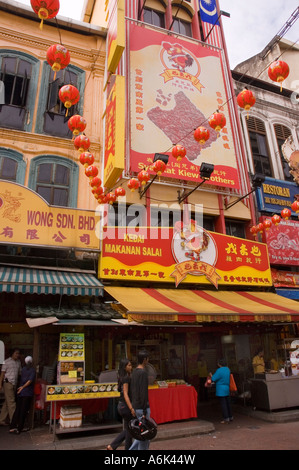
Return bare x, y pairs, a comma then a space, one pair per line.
88, 53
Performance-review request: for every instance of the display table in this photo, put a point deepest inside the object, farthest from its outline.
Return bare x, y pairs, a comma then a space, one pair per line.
91, 398
274, 391
173, 403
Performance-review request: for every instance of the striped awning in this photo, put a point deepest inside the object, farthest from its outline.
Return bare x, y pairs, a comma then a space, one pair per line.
45, 281
199, 306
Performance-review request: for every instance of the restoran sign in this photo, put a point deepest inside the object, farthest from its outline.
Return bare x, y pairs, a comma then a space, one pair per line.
27, 219
185, 253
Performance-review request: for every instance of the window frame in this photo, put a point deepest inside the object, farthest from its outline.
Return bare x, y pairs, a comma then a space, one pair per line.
259, 130
47, 73
29, 105
73, 176
21, 164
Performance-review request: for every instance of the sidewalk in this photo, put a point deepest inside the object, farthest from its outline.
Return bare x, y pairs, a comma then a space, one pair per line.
39, 438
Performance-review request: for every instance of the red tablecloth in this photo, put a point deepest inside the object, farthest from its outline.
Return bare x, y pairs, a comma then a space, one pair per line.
173, 403
89, 407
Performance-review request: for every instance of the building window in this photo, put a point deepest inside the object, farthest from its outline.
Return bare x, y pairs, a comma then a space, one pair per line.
182, 27
52, 111
234, 228
282, 133
18, 74
12, 166
55, 179
259, 146
156, 18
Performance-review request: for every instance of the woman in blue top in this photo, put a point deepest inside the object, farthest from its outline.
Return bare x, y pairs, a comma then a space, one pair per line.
222, 379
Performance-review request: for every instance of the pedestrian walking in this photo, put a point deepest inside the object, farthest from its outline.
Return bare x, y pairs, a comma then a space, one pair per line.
25, 394
222, 380
139, 392
124, 407
10, 373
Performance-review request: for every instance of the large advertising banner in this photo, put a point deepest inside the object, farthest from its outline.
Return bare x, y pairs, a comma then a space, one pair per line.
27, 219
184, 253
175, 86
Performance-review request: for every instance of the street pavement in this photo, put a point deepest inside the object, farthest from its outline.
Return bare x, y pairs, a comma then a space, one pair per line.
250, 430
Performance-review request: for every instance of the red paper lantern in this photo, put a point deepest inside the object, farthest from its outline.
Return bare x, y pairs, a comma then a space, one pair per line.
82, 143
143, 176
286, 214
253, 230
217, 121
97, 191
69, 95
275, 219
102, 199
246, 99
278, 71
58, 57
178, 152
91, 171
95, 182
133, 184
260, 227
295, 206
267, 224
76, 124
45, 9
201, 135
119, 192
159, 167
86, 159
111, 198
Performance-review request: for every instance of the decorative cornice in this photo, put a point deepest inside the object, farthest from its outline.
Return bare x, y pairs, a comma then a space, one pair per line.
16, 37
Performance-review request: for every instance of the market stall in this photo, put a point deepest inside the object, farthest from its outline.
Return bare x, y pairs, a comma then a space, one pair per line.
275, 391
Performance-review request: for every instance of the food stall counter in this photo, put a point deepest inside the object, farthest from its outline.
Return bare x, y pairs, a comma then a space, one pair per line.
275, 391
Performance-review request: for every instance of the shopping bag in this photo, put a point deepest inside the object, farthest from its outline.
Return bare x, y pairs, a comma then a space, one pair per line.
232, 384
208, 382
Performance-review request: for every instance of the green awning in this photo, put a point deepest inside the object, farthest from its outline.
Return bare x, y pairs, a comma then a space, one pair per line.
26, 280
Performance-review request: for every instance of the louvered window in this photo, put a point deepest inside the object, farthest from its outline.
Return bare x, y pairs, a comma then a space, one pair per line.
282, 133
259, 146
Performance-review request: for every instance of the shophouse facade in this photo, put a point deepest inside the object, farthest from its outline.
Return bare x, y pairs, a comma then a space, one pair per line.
177, 256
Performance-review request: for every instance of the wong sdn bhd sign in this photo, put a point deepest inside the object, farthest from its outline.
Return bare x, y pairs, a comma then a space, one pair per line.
27, 219
185, 252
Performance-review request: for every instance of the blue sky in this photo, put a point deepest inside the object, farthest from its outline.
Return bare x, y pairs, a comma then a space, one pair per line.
248, 30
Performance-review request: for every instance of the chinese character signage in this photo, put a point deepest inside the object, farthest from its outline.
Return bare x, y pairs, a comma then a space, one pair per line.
185, 253
116, 33
26, 219
175, 86
283, 242
114, 131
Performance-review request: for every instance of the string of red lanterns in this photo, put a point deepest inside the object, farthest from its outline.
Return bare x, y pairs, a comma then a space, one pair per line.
275, 219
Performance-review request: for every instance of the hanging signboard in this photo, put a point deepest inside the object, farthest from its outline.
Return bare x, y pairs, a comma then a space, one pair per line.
185, 253
27, 219
114, 159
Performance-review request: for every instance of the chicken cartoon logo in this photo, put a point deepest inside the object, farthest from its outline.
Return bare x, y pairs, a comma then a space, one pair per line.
195, 252
179, 63
177, 56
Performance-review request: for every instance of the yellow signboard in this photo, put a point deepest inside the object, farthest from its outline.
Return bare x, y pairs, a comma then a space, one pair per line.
115, 131
27, 219
116, 33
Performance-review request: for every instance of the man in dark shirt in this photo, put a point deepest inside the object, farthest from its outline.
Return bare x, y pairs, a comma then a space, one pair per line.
139, 392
